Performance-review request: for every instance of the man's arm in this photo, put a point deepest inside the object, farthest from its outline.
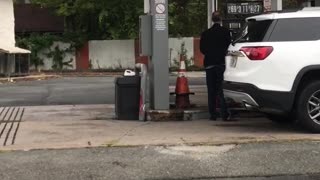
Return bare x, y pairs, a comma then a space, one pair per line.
228, 37
203, 44
227, 40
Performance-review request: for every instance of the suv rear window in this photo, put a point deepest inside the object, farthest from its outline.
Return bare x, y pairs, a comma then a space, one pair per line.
253, 31
296, 29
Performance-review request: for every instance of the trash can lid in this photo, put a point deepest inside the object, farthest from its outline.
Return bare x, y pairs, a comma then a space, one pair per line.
128, 80
129, 73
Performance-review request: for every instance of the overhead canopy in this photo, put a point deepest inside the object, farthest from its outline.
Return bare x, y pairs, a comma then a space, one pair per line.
13, 50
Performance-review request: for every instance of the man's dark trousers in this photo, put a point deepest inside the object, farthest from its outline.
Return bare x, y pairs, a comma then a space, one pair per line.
214, 78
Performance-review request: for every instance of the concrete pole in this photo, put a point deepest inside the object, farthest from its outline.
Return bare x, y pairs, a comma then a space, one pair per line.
279, 5
146, 6
276, 5
212, 7
216, 5
29, 57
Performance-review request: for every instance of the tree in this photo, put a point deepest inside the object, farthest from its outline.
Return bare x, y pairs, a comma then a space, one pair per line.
187, 17
36, 43
58, 56
98, 19
118, 19
289, 4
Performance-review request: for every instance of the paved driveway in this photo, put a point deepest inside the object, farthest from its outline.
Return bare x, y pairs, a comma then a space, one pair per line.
65, 91
262, 161
67, 126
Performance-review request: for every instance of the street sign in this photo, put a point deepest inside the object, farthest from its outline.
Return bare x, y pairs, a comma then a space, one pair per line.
160, 8
245, 7
267, 5
160, 15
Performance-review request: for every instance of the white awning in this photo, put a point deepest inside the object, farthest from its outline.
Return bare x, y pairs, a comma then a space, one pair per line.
13, 50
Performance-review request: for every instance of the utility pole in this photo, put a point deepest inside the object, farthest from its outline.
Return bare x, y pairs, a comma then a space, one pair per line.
212, 7
276, 5
146, 6
158, 62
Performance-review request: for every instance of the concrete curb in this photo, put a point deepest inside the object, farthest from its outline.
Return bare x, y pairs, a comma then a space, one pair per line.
35, 77
88, 74
195, 74
28, 78
194, 114
220, 143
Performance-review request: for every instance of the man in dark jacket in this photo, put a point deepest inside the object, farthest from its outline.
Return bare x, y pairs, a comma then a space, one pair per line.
214, 44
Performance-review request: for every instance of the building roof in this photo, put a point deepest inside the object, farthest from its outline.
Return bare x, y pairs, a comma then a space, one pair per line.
13, 50
32, 18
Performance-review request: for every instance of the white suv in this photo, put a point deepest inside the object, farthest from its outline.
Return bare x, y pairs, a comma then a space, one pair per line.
274, 66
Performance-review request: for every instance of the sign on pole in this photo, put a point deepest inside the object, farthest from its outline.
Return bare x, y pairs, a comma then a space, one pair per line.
267, 5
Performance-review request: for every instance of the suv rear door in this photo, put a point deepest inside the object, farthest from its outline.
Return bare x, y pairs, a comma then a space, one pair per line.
239, 65
294, 42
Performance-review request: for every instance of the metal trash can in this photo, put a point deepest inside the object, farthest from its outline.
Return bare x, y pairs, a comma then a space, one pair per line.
127, 97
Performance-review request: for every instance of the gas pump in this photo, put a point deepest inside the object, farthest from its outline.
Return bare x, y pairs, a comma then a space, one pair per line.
154, 43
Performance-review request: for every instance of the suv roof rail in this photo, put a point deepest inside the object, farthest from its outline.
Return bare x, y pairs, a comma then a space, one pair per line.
285, 11
311, 9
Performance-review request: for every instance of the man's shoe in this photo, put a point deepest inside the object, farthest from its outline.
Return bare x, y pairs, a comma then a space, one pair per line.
228, 118
212, 118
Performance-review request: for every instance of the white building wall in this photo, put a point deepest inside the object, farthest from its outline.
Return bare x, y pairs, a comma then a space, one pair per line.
48, 61
113, 54
7, 35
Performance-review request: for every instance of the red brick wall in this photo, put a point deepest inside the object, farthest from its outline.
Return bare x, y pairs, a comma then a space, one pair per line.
139, 59
82, 58
198, 56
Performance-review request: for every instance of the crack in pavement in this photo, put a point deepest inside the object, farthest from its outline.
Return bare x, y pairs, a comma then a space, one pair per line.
114, 142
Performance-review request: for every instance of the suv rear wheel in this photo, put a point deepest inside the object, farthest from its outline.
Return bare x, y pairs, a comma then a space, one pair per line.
308, 107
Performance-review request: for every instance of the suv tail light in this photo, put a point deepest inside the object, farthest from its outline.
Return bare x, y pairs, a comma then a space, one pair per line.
257, 53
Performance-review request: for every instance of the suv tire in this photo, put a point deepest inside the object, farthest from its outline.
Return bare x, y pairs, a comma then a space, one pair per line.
308, 107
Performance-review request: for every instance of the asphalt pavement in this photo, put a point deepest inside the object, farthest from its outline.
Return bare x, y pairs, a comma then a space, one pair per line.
283, 152
67, 91
241, 162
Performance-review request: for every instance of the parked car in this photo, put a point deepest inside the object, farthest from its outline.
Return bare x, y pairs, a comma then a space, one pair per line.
274, 66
